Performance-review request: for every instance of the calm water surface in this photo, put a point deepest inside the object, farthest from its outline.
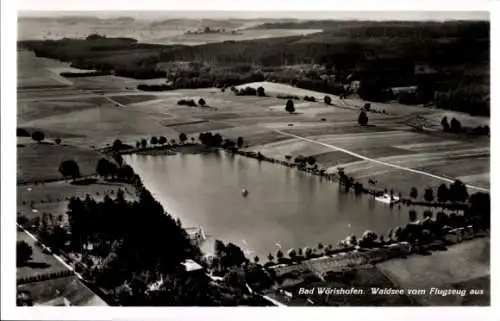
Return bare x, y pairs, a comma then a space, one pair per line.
284, 207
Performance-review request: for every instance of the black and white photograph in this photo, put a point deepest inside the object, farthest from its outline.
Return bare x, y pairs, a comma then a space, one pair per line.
215, 158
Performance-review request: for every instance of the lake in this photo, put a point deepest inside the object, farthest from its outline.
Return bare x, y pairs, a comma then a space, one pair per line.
284, 207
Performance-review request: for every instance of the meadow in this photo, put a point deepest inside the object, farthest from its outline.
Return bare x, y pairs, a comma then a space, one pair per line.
86, 118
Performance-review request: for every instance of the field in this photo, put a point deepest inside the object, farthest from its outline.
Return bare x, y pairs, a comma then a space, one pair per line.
52, 292
470, 270
84, 118
40, 162
165, 32
40, 262
53, 197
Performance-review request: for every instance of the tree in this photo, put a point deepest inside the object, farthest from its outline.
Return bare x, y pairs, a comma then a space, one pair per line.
193, 139
144, 143
288, 158
412, 215
219, 248
458, 192
261, 92
137, 144
367, 239
38, 136
117, 144
57, 141
367, 106
118, 159
172, 141
292, 254
103, 167
311, 160
69, 168
279, 255
217, 140
270, 257
256, 259
429, 195
320, 246
414, 193
398, 234
24, 252
327, 100
480, 208
182, 137
239, 142
162, 140
455, 125
290, 107
21, 132
154, 140
444, 123
442, 193
390, 234
362, 119
201, 102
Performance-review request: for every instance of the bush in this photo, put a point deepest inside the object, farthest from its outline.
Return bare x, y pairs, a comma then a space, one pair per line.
290, 107
38, 136
21, 132
327, 100
247, 91
187, 102
363, 119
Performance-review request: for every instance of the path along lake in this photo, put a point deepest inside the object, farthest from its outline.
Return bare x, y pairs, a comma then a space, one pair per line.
284, 207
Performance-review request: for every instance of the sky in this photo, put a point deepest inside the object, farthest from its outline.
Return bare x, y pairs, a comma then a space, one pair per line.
340, 15
299, 9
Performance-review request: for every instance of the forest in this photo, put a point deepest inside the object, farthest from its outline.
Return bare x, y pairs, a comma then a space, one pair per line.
381, 55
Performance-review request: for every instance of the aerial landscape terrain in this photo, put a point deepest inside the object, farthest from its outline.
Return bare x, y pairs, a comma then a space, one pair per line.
251, 162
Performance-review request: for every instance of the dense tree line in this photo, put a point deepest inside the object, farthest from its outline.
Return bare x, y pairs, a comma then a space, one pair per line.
380, 55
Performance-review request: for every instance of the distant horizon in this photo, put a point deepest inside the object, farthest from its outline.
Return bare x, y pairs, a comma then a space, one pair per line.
255, 15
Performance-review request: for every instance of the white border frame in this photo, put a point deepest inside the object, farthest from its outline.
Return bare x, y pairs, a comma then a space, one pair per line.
8, 163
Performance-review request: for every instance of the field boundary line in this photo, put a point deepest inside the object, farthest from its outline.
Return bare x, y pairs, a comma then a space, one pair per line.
57, 257
377, 161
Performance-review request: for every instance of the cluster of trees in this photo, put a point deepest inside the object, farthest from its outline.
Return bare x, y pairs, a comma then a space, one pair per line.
108, 169
375, 54
126, 236
456, 127
455, 192
21, 132
294, 97
248, 91
217, 140
37, 135
84, 74
191, 102
23, 252
302, 161
230, 262
162, 141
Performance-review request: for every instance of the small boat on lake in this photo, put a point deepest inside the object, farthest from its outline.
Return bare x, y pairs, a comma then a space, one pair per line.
386, 198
